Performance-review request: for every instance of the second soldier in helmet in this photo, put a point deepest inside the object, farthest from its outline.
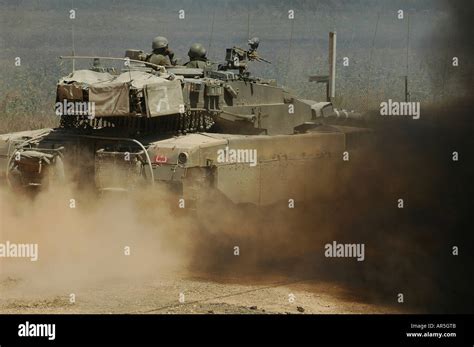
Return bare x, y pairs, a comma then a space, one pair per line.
197, 57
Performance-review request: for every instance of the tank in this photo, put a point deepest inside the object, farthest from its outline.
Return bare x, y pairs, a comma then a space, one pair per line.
216, 130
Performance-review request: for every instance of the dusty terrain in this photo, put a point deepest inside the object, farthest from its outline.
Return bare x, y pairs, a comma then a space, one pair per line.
173, 267
202, 295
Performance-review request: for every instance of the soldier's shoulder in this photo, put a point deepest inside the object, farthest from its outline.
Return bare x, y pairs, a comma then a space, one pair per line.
201, 64
158, 59
196, 64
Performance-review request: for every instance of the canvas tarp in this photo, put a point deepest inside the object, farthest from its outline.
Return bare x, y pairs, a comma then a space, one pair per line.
111, 93
110, 99
70, 92
138, 79
87, 77
164, 98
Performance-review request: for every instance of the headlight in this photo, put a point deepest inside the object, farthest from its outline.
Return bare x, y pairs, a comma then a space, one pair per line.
183, 158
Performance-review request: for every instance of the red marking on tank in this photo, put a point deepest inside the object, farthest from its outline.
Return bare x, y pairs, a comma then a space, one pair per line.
161, 158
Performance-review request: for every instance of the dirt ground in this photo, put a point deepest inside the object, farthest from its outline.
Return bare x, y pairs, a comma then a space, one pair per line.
202, 295
175, 266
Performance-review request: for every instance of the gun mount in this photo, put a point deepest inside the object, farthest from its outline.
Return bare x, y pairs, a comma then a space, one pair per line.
237, 58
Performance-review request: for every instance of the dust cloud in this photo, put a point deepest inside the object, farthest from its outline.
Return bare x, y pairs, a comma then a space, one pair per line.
130, 238
408, 250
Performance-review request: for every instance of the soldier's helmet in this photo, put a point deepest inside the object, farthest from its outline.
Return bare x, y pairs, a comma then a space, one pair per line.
254, 42
197, 51
159, 42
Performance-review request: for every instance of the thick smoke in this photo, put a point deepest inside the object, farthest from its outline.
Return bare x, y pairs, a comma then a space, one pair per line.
453, 38
407, 250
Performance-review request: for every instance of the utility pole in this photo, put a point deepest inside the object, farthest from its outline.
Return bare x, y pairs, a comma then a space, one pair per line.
332, 66
407, 93
329, 80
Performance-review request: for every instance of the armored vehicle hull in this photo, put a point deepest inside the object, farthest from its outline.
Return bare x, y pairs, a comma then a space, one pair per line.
255, 169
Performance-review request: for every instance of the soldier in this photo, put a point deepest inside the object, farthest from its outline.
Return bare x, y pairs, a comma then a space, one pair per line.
197, 57
252, 52
253, 43
161, 55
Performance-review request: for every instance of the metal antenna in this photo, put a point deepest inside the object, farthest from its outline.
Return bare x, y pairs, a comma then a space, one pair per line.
212, 31
407, 94
248, 21
73, 43
370, 58
289, 51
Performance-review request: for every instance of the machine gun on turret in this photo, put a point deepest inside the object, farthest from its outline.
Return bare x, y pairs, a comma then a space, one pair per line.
238, 58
